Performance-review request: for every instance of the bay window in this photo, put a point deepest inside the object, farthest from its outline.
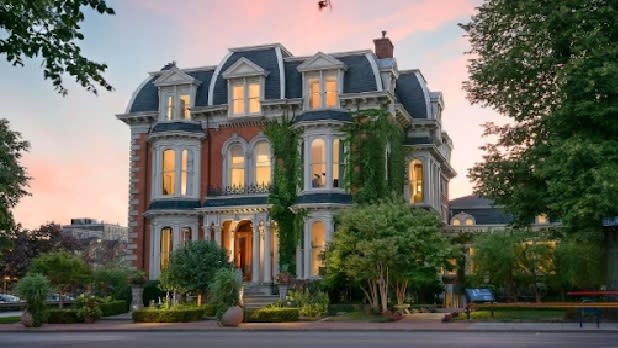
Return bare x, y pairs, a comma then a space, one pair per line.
262, 164
166, 246
415, 171
176, 173
236, 166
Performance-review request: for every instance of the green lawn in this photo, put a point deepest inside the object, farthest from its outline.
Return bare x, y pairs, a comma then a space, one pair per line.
10, 320
525, 315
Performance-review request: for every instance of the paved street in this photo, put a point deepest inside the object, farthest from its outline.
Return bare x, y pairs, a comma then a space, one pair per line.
307, 339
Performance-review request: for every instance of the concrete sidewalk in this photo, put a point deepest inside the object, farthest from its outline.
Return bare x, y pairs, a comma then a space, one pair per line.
122, 323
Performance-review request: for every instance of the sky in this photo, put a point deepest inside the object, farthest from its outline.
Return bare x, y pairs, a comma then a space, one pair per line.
79, 154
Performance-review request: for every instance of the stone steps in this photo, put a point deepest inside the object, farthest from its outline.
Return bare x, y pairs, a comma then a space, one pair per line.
258, 301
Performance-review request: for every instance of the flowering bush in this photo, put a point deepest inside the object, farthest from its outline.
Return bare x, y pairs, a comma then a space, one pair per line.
88, 309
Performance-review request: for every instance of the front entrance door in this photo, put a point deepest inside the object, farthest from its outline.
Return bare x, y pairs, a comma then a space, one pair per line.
243, 246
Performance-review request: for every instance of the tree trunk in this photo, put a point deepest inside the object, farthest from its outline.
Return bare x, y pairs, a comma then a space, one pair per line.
199, 298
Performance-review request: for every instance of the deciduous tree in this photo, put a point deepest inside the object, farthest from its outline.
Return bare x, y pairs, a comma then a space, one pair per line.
51, 29
387, 245
550, 66
13, 176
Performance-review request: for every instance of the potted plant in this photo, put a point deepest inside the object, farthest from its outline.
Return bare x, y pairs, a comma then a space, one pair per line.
136, 280
225, 290
283, 281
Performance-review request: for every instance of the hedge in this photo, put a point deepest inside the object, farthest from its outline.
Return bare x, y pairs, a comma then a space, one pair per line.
63, 316
113, 308
174, 315
272, 315
210, 310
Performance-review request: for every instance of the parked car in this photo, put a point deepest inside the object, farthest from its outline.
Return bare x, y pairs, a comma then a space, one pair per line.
5, 298
56, 298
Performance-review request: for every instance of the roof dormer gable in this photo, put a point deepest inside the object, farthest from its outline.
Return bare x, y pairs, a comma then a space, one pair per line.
243, 67
321, 61
175, 77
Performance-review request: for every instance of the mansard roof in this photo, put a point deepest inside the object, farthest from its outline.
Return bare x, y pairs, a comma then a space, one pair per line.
482, 209
284, 80
323, 115
413, 94
178, 127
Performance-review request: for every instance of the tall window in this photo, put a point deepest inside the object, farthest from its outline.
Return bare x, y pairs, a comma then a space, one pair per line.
184, 169
169, 172
318, 163
236, 166
169, 114
245, 94
262, 163
338, 163
166, 246
416, 181
318, 244
322, 89
185, 104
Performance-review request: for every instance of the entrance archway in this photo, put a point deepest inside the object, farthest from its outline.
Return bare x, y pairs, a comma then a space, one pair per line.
243, 249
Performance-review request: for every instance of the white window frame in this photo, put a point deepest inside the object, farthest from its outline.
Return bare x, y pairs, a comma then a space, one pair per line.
192, 170
328, 140
245, 82
175, 92
321, 76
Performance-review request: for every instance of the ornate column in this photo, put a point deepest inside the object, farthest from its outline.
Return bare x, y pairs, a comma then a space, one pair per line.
231, 241
255, 264
267, 268
275, 249
155, 254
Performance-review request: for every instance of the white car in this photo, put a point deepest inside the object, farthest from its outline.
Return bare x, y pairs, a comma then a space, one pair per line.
9, 298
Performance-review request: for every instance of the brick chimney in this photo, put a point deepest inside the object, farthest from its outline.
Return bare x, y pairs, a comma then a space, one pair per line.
384, 46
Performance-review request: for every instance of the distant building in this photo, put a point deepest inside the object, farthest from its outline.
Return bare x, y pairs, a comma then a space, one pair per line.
87, 228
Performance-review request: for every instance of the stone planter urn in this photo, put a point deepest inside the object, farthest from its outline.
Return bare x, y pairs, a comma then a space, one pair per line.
232, 317
137, 302
26, 319
283, 291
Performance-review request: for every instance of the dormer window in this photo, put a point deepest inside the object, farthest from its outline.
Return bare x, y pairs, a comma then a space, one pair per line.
322, 81
245, 88
176, 93
245, 96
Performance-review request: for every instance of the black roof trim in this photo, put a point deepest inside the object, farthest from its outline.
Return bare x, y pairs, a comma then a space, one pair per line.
325, 197
177, 126
173, 204
323, 115
234, 201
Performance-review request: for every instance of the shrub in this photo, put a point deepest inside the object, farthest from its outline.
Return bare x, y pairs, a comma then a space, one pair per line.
272, 315
312, 303
113, 308
137, 278
111, 280
174, 315
152, 292
88, 309
34, 288
9, 320
63, 316
225, 290
210, 310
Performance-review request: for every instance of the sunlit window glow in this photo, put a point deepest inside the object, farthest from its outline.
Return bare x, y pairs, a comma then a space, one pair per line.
169, 172
262, 163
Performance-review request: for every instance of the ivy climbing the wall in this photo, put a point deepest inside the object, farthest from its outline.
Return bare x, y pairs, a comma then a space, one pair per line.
284, 142
376, 158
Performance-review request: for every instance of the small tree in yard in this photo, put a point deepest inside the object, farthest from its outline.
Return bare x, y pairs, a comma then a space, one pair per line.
63, 270
387, 244
193, 267
33, 288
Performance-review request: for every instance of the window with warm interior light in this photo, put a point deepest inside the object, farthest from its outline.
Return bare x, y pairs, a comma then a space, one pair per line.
321, 89
169, 172
246, 95
338, 163
262, 163
177, 107
185, 104
318, 163
456, 222
318, 244
541, 219
416, 181
184, 163
166, 246
169, 115
236, 166
469, 221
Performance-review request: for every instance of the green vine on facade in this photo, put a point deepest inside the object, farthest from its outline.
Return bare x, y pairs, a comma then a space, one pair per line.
284, 142
376, 159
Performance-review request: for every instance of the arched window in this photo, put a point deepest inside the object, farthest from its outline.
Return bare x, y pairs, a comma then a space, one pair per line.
318, 246
415, 171
318, 163
262, 163
169, 172
469, 221
166, 246
456, 222
236, 166
338, 163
